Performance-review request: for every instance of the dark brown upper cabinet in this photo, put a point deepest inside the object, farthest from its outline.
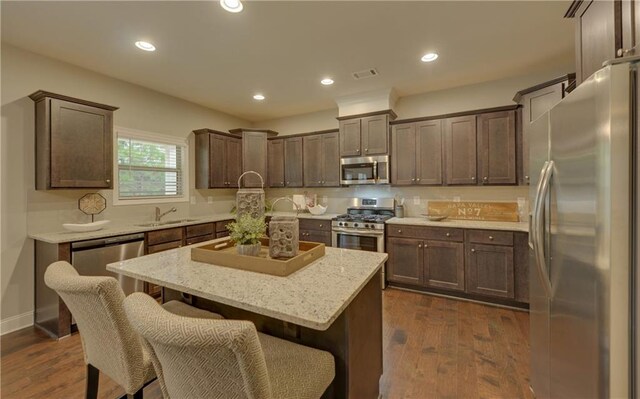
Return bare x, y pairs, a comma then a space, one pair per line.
461, 150
275, 168
366, 134
293, 168
497, 147
604, 30
74, 142
321, 160
535, 101
254, 154
218, 159
416, 153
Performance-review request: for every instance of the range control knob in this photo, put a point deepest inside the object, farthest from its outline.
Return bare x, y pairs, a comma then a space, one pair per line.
366, 226
355, 225
340, 224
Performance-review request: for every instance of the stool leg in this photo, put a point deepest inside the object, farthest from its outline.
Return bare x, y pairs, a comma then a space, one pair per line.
93, 376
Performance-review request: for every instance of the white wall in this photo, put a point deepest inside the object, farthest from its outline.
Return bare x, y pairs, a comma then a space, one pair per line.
24, 209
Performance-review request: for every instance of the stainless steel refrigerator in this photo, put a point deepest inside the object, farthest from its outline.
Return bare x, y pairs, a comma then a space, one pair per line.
583, 239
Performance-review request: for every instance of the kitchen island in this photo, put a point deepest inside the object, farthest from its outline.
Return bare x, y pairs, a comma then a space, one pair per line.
333, 304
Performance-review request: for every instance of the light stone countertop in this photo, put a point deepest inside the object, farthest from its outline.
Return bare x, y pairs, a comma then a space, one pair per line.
117, 229
462, 224
312, 297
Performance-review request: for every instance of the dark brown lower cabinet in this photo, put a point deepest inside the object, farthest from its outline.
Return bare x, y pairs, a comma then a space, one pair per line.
444, 265
486, 265
490, 270
316, 236
405, 261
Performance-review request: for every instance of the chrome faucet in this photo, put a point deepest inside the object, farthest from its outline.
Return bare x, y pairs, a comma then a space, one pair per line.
160, 215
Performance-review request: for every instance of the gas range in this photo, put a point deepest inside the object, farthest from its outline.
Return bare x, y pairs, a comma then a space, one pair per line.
359, 221
365, 214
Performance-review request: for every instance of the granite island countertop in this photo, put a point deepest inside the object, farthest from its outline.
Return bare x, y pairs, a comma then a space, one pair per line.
122, 228
461, 224
312, 297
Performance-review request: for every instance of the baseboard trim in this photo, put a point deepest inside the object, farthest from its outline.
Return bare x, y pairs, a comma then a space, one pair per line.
17, 322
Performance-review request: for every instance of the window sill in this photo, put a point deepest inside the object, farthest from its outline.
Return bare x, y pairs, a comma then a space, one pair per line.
147, 201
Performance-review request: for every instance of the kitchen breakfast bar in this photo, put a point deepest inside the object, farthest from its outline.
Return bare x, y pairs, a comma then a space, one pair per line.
333, 304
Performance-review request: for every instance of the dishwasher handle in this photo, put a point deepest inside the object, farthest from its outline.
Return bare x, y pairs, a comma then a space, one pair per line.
106, 242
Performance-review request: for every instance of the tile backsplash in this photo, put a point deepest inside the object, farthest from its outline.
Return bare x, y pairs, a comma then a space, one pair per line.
48, 210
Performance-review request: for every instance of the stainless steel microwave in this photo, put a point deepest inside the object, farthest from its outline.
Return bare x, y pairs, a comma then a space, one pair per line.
364, 170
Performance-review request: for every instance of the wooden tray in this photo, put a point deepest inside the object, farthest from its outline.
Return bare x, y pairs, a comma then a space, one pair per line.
224, 254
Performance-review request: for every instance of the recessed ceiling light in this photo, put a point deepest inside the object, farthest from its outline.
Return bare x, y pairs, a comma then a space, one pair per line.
231, 5
258, 97
429, 57
146, 46
327, 81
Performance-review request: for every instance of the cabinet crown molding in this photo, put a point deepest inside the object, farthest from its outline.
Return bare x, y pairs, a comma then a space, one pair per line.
42, 94
392, 115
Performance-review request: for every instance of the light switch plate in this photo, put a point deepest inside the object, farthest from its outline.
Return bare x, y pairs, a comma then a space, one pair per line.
416, 200
209, 200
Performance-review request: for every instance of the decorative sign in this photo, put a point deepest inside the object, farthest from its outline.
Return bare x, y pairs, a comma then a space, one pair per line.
474, 210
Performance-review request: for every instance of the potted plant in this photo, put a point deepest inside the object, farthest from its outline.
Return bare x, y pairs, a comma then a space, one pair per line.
246, 232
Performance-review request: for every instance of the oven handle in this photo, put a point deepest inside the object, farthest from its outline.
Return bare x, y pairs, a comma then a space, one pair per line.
375, 171
358, 233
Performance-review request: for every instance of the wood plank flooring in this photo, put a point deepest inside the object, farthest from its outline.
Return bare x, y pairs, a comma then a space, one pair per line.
433, 348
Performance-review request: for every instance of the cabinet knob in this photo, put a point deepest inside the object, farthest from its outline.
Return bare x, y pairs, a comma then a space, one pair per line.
473, 250
491, 238
420, 245
366, 150
319, 181
418, 179
624, 51
485, 178
526, 178
108, 180
413, 179
473, 178
323, 182
320, 226
448, 234
399, 231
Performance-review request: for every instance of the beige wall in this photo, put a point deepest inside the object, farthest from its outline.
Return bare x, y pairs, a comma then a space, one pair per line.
25, 209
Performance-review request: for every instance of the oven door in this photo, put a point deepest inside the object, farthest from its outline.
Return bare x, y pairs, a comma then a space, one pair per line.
362, 241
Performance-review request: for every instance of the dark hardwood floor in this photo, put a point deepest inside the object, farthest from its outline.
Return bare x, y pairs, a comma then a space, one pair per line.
433, 348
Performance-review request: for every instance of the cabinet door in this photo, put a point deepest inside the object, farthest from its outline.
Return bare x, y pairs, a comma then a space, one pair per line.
497, 147
331, 160
293, 162
403, 154
444, 265
533, 106
489, 270
312, 160
460, 150
233, 161
323, 237
429, 153
375, 135
350, 138
405, 261
254, 157
81, 146
276, 163
217, 161
599, 35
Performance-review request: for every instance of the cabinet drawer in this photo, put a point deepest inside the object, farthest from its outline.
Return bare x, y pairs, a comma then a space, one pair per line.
200, 230
490, 237
310, 224
160, 236
429, 233
195, 240
316, 236
152, 249
221, 226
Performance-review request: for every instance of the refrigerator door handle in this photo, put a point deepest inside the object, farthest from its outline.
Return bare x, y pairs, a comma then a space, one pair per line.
536, 199
538, 222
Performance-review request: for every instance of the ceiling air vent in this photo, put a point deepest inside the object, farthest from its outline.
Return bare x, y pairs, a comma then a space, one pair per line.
367, 73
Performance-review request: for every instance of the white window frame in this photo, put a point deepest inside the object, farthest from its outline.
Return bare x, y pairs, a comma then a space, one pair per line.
157, 138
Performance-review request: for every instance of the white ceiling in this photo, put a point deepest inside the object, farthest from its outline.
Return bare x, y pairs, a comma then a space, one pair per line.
282, 49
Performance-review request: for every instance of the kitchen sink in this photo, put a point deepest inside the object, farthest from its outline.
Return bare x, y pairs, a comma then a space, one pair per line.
156, 224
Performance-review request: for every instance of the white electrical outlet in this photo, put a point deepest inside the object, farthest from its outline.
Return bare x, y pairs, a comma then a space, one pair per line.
193, 200
416, 200
209, 200
456, 198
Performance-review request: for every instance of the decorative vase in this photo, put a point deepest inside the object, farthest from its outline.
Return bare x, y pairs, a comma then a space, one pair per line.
248, 249
283, 234
250, 200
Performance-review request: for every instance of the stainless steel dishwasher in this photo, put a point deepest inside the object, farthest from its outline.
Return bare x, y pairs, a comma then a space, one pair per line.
90, 258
